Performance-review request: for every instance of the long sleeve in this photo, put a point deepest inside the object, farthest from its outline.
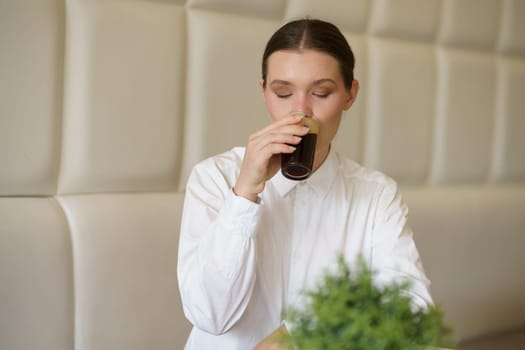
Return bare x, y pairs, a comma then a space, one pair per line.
394, 252
216, 263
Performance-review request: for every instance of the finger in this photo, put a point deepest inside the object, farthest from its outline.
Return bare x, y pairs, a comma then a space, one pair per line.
296, 129
277, 148
284, 134
288, 120
272, 145
276, 138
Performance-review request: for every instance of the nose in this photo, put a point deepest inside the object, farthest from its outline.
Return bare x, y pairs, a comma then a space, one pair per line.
303, 104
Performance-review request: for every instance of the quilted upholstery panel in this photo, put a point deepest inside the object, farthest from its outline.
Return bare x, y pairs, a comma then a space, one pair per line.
407, 19
472, 250
125, 249
481, 29
349, 16
400, 108
509, 145
512, 40
464, 127
36, 275
31, 95
123, 96
252, 8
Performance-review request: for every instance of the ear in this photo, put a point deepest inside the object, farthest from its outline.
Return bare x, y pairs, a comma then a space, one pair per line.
351, 95
263, 90
261, 85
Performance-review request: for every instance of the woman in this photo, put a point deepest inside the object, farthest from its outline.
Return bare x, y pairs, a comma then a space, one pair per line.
252, 240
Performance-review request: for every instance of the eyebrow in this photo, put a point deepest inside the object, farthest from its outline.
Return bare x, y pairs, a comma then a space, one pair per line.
280, 82
326, 80
316, 82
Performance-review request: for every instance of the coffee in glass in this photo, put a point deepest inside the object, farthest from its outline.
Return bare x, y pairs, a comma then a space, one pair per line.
298, 165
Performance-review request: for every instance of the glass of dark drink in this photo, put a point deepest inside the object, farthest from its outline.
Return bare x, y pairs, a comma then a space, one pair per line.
299, 164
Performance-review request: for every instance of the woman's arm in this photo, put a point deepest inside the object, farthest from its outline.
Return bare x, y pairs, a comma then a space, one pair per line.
394, 252
216, 263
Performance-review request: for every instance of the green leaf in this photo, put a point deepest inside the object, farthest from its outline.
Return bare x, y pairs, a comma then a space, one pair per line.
346, 311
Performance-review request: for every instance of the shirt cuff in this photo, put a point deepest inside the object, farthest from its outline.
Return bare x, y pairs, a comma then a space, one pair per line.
242, 214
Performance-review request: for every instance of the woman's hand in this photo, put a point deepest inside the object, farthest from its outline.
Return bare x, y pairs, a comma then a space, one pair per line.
263, 154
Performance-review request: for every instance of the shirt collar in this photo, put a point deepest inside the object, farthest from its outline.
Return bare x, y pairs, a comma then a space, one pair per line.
320, 181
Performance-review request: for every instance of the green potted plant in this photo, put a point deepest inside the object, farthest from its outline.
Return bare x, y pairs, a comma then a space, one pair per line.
347, 312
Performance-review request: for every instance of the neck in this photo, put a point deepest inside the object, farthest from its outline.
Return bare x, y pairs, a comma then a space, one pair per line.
320, 157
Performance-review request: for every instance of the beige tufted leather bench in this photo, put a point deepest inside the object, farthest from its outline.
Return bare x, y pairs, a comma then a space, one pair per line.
106, 105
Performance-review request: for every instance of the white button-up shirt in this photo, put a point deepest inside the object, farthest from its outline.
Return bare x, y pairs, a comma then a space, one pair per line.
241, 264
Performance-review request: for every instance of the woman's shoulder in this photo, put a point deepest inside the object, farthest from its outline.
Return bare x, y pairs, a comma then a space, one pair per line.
356, 172
225, 165
225, 160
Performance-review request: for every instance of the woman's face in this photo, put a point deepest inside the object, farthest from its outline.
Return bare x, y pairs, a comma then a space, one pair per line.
310, 81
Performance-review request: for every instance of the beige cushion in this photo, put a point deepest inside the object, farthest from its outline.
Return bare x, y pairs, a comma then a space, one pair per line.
125, 252
31, 102
471, 242
36, 276
123, 96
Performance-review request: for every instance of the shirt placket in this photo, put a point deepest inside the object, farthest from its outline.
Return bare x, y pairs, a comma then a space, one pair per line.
299, 234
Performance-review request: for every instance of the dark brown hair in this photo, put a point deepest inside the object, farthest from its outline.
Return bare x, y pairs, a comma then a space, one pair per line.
312, 34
